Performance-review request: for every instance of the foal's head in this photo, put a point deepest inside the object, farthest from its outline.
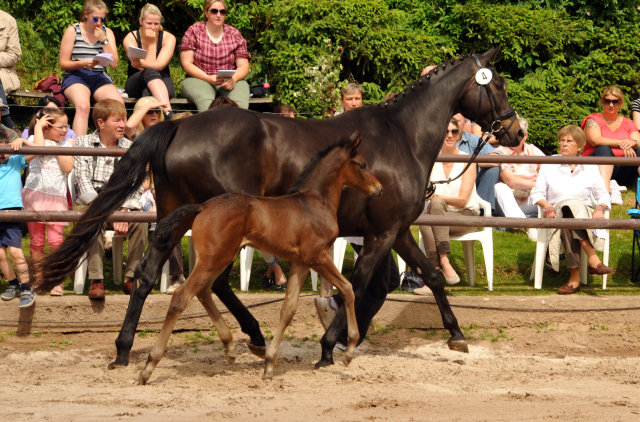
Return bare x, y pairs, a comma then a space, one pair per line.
355, 172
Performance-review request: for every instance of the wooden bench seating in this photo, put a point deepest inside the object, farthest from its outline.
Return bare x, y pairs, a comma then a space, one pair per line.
174, 101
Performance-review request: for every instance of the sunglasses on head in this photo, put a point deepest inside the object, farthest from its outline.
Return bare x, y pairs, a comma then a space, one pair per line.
95, 19
154, 111
453, 131
222, 12
607, 101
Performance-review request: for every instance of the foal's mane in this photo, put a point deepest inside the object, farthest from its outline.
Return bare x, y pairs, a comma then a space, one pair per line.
308, 169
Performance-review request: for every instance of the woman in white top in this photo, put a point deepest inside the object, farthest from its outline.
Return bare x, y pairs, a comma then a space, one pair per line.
559, 182
457, 198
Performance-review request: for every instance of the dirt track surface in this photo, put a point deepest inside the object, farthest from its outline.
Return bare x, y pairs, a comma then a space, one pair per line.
542, 372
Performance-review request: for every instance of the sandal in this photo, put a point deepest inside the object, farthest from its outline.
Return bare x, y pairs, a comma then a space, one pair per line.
267, 282
57, 291
108, 249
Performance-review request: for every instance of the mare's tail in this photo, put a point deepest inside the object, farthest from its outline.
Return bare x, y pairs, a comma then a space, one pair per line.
164, 231
127, 177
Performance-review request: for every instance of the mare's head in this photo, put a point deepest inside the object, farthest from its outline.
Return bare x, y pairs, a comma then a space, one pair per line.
340, 164
484, 100
355, 172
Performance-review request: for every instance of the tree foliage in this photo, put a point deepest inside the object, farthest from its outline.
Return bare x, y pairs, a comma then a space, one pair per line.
556, 54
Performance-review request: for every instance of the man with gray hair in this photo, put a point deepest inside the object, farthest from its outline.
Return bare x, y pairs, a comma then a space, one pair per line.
513, 193
351, 97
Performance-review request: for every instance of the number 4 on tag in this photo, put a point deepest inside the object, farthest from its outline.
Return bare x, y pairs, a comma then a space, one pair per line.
484, 76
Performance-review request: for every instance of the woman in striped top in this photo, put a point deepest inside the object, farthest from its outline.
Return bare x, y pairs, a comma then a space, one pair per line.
83, 77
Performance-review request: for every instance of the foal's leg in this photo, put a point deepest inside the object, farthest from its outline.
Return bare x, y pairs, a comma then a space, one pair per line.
180, 299
406, 247
297, 275
223, 329
329, 272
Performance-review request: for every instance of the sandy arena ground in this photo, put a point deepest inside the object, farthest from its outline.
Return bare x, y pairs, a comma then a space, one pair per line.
546, 371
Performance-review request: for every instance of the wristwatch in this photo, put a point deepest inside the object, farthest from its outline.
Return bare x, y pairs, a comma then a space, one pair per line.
105, 42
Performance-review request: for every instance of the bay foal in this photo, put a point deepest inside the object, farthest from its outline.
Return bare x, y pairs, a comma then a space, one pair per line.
300, 227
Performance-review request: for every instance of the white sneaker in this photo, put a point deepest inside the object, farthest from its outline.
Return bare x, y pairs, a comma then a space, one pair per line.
616, 197
533, 235
614, 186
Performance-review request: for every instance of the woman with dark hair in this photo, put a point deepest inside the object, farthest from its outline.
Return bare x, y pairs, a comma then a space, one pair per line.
209, 47
285, 111
49, 102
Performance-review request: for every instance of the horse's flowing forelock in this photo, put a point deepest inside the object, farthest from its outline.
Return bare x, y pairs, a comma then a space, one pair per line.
308, 169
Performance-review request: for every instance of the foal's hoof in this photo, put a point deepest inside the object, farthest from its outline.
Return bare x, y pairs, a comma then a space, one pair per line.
142, 380
230, 359
347, 360
117, 364
267, 376
458, 345
259, 351
323, 363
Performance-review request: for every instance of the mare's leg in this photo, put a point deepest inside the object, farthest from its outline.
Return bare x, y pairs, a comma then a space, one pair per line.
373, 252
297, 275
328, 271
248, 324
223, 329
180, 299
406, 247
144, 278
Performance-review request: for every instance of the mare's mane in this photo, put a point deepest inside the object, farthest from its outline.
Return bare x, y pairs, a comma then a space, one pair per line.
308, 169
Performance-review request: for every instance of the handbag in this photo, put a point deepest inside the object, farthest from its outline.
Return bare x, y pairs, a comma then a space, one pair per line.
51, 84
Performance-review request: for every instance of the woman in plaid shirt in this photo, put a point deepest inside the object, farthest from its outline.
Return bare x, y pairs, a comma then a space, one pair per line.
208, 47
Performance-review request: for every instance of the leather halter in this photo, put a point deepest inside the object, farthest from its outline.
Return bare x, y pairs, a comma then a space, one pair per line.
496, 126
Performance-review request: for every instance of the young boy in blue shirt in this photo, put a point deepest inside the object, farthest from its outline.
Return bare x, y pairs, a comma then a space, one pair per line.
11, 233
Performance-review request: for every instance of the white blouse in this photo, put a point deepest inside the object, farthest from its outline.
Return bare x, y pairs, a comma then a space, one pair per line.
556, 182
453, 188
45, 174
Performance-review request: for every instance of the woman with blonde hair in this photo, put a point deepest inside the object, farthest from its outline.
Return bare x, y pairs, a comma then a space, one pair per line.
208, 47
147, 112
84, 77
612, 135
151, 76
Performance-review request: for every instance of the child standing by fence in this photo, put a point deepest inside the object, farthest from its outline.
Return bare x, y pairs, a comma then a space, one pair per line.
46, 185
11, 232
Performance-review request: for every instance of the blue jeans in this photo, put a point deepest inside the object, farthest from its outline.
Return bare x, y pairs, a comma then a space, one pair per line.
486, 184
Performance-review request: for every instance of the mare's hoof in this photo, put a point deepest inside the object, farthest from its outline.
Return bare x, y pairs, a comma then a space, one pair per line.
141, 379
267, 376
323, 363
458, 345
230, 359
259, 351
117, 364
347, 360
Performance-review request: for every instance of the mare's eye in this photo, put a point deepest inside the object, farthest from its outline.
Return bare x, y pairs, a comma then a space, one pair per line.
363, 166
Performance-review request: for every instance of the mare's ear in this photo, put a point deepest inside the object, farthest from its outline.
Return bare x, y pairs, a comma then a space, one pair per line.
489, 56
355, 141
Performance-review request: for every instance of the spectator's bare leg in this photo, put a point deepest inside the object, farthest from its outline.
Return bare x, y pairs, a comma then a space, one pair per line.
159, 91
606, 171
21, 264
80, 96
5, 265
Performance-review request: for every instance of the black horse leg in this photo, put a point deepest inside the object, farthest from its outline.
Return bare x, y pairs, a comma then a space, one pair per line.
145, 277
366, 265
406, 247
248, 324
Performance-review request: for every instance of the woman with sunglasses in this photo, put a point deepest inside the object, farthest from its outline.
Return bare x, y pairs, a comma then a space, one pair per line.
84, 78
612, 135
208, 47
147, 112
458, 198
151, 76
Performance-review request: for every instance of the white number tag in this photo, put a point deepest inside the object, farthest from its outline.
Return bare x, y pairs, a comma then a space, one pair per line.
484, 76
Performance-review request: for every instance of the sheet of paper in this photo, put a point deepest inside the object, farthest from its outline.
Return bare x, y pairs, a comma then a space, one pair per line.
103, 59
137, 53
601, 233
225, 74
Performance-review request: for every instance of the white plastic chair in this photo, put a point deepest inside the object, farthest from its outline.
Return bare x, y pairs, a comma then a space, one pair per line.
485, 236
542, 243
246, 259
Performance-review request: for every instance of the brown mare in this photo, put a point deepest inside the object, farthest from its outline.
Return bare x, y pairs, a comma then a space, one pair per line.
305, 225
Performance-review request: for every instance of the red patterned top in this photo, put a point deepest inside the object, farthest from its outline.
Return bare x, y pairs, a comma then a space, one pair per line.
212, 57
622, 133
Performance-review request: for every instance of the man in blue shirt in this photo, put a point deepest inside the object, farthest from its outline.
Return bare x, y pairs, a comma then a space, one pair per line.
488, 173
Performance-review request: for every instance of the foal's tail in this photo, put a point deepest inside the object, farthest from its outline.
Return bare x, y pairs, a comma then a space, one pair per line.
164, 231
127, 177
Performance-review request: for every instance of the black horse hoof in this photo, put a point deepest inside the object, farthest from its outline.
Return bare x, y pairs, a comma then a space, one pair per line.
458, 345
323, 363
259, 351
117, 364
